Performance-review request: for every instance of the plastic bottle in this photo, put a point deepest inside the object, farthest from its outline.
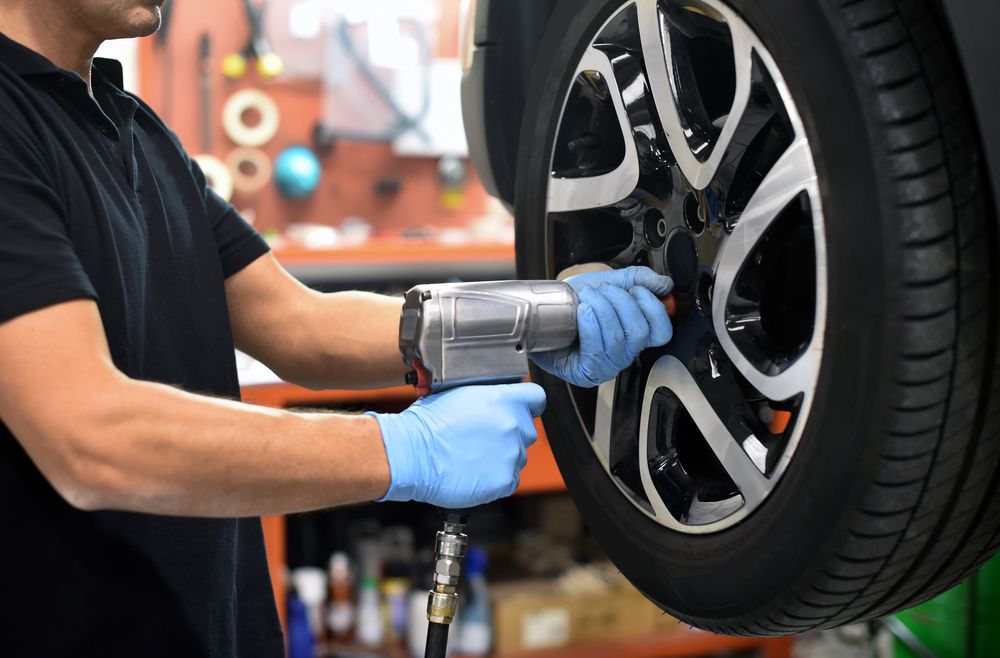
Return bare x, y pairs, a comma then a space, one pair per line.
310, 583
397, 554
475, 614
340, 609
370, 626
301, 643
394, 591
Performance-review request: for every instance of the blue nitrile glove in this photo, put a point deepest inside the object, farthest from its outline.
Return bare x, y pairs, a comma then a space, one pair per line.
618, 317
463, 447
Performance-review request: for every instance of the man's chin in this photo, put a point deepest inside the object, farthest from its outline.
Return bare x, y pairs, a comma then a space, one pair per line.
143, 22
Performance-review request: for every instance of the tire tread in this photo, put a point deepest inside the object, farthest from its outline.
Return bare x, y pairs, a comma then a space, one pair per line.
931, 513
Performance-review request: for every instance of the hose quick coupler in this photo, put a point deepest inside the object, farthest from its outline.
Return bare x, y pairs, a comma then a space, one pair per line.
449, 549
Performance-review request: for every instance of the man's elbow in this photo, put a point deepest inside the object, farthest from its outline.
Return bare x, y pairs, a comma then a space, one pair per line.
80, 495
87, 470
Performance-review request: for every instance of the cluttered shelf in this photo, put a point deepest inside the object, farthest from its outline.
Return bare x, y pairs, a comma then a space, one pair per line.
675, 645
689, 644
587, 611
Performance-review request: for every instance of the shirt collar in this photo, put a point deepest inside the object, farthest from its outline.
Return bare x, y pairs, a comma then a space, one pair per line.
26, 62
111, 70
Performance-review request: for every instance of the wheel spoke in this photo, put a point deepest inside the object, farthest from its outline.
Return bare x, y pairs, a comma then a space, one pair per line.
581, 193
662, 71
792, 174
602, 422
671, 373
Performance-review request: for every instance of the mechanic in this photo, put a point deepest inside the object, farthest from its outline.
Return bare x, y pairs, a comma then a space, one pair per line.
129, 478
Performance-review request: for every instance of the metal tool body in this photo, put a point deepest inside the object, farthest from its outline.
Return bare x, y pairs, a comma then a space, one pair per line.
455, 334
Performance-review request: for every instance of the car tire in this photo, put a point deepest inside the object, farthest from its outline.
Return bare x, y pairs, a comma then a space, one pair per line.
892, 494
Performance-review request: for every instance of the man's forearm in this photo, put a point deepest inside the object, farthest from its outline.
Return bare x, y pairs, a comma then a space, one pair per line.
155, 449
336, 340
345, 340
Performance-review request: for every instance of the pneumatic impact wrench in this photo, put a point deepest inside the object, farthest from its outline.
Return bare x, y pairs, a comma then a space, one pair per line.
458, 334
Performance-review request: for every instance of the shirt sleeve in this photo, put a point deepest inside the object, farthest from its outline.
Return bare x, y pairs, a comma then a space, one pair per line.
238, 243
39, 266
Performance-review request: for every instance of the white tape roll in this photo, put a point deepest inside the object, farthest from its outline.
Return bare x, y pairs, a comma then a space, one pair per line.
234, 120
251, 169
217, 174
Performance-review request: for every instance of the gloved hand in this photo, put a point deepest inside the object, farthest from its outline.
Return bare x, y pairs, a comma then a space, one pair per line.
463, 447
618, 317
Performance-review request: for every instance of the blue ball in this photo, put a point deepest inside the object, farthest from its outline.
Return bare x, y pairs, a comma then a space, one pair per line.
296, 172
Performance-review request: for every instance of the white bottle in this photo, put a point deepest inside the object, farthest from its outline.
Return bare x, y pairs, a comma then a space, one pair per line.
340, 609
474, 635
310, 583
370, 627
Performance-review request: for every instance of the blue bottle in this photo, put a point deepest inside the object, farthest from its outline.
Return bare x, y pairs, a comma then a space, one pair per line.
475, 614
300, 636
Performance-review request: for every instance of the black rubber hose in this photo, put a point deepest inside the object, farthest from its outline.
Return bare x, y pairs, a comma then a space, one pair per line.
437, 640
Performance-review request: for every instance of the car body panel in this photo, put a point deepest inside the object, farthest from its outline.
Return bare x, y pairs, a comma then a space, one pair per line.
975, 27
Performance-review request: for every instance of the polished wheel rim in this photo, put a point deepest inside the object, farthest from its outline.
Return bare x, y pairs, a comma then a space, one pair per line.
679, 147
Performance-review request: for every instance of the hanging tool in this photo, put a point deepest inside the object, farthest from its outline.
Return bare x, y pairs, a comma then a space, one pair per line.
205, 78
269, 63
458, 334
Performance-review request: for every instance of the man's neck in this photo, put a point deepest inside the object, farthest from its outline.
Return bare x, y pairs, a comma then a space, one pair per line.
47, 28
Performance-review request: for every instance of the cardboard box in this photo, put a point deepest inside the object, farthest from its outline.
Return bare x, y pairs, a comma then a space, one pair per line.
534, 614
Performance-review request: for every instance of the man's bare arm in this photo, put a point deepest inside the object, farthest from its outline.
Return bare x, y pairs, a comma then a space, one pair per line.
335, 340
105, 441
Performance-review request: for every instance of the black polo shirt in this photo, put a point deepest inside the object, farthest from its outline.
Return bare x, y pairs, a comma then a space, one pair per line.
98, 200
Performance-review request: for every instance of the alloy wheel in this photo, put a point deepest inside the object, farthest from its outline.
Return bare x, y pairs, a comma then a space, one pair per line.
679, 147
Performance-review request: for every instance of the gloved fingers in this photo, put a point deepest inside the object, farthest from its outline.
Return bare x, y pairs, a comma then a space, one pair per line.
529, 433
589, 329
527, 395
633, 320
515, 483
661, 330
589, 366
626, 278
546, 360
612, 334
557, 362
581, 366
657, 284
522, 455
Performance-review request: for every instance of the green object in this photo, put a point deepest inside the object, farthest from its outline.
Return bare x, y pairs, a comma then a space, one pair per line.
942, 624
